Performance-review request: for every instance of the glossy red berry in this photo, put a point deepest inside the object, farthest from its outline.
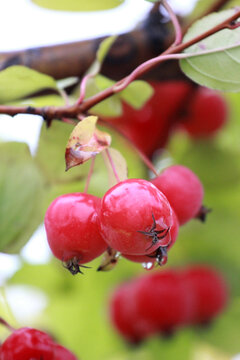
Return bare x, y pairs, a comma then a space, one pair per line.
72, 227
61, 353
209, 291
149, 127
135, 217
160, 255
206, 114
26, 344
151, 304
125, 317
183, 190
162, 300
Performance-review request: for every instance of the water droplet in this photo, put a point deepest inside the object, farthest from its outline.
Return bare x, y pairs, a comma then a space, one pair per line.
148, 265
164, 260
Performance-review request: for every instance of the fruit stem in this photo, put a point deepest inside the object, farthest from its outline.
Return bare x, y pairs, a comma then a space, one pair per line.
142, 156
89, 175
83, 86
112, 165
6, 324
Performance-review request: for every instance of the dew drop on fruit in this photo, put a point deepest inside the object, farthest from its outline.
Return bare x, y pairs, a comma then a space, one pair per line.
148, 265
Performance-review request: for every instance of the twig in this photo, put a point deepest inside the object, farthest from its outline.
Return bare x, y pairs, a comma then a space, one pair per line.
73, 111
175, 22
218, 5
112, 165
89, 175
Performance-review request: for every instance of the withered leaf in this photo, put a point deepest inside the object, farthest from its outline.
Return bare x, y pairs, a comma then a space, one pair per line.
85, 142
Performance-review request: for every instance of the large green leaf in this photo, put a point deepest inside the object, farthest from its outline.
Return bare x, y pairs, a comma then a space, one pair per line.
19, 81
21, 192
80, 5
220, 69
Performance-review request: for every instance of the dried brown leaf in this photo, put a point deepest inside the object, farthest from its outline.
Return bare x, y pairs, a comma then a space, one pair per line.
85, 142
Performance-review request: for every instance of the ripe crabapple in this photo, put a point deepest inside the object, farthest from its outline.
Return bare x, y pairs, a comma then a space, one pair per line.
209, 291
135, 217
183, 190
206, 114
162, 299
149, 305
124, 314
61, 353
160, 255
72, 227
27, 343
149, 127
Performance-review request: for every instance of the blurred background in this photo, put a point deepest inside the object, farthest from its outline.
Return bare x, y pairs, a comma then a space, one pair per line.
35, 289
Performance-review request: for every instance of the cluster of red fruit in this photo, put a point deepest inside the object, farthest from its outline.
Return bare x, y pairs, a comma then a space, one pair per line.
27, 343
175, 104
161, 302
137, 218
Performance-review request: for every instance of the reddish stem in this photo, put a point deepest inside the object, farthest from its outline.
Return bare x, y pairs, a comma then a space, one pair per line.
112, 165
89, 175
175, 22
6, 324
144, 158
83, 86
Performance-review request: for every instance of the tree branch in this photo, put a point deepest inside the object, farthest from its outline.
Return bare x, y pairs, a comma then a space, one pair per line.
73, 111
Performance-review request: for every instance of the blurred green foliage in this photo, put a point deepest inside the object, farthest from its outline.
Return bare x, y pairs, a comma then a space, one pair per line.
77, 311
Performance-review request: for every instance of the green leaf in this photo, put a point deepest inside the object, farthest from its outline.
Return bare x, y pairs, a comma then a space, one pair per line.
137, 93
19, 81
221, 68
101, 54
64, 83
80, 5
39, 101
109, 107
104, 48
21, 193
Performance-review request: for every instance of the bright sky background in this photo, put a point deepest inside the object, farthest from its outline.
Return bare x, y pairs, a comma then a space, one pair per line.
24, 25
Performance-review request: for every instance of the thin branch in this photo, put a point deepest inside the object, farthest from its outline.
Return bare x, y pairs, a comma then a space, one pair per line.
89, 175
175, 22
112, 165
140, 153
73, 111
83, 86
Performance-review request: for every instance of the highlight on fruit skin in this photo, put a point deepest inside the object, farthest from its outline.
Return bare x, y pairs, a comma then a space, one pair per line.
28, 343
72, 228
164, 301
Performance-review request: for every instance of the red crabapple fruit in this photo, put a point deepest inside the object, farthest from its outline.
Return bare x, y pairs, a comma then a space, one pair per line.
162, 301
72, 227
209, 290
206, 114
61, 353
183, 190
149, 127
135, 217
27, 343
160, 255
